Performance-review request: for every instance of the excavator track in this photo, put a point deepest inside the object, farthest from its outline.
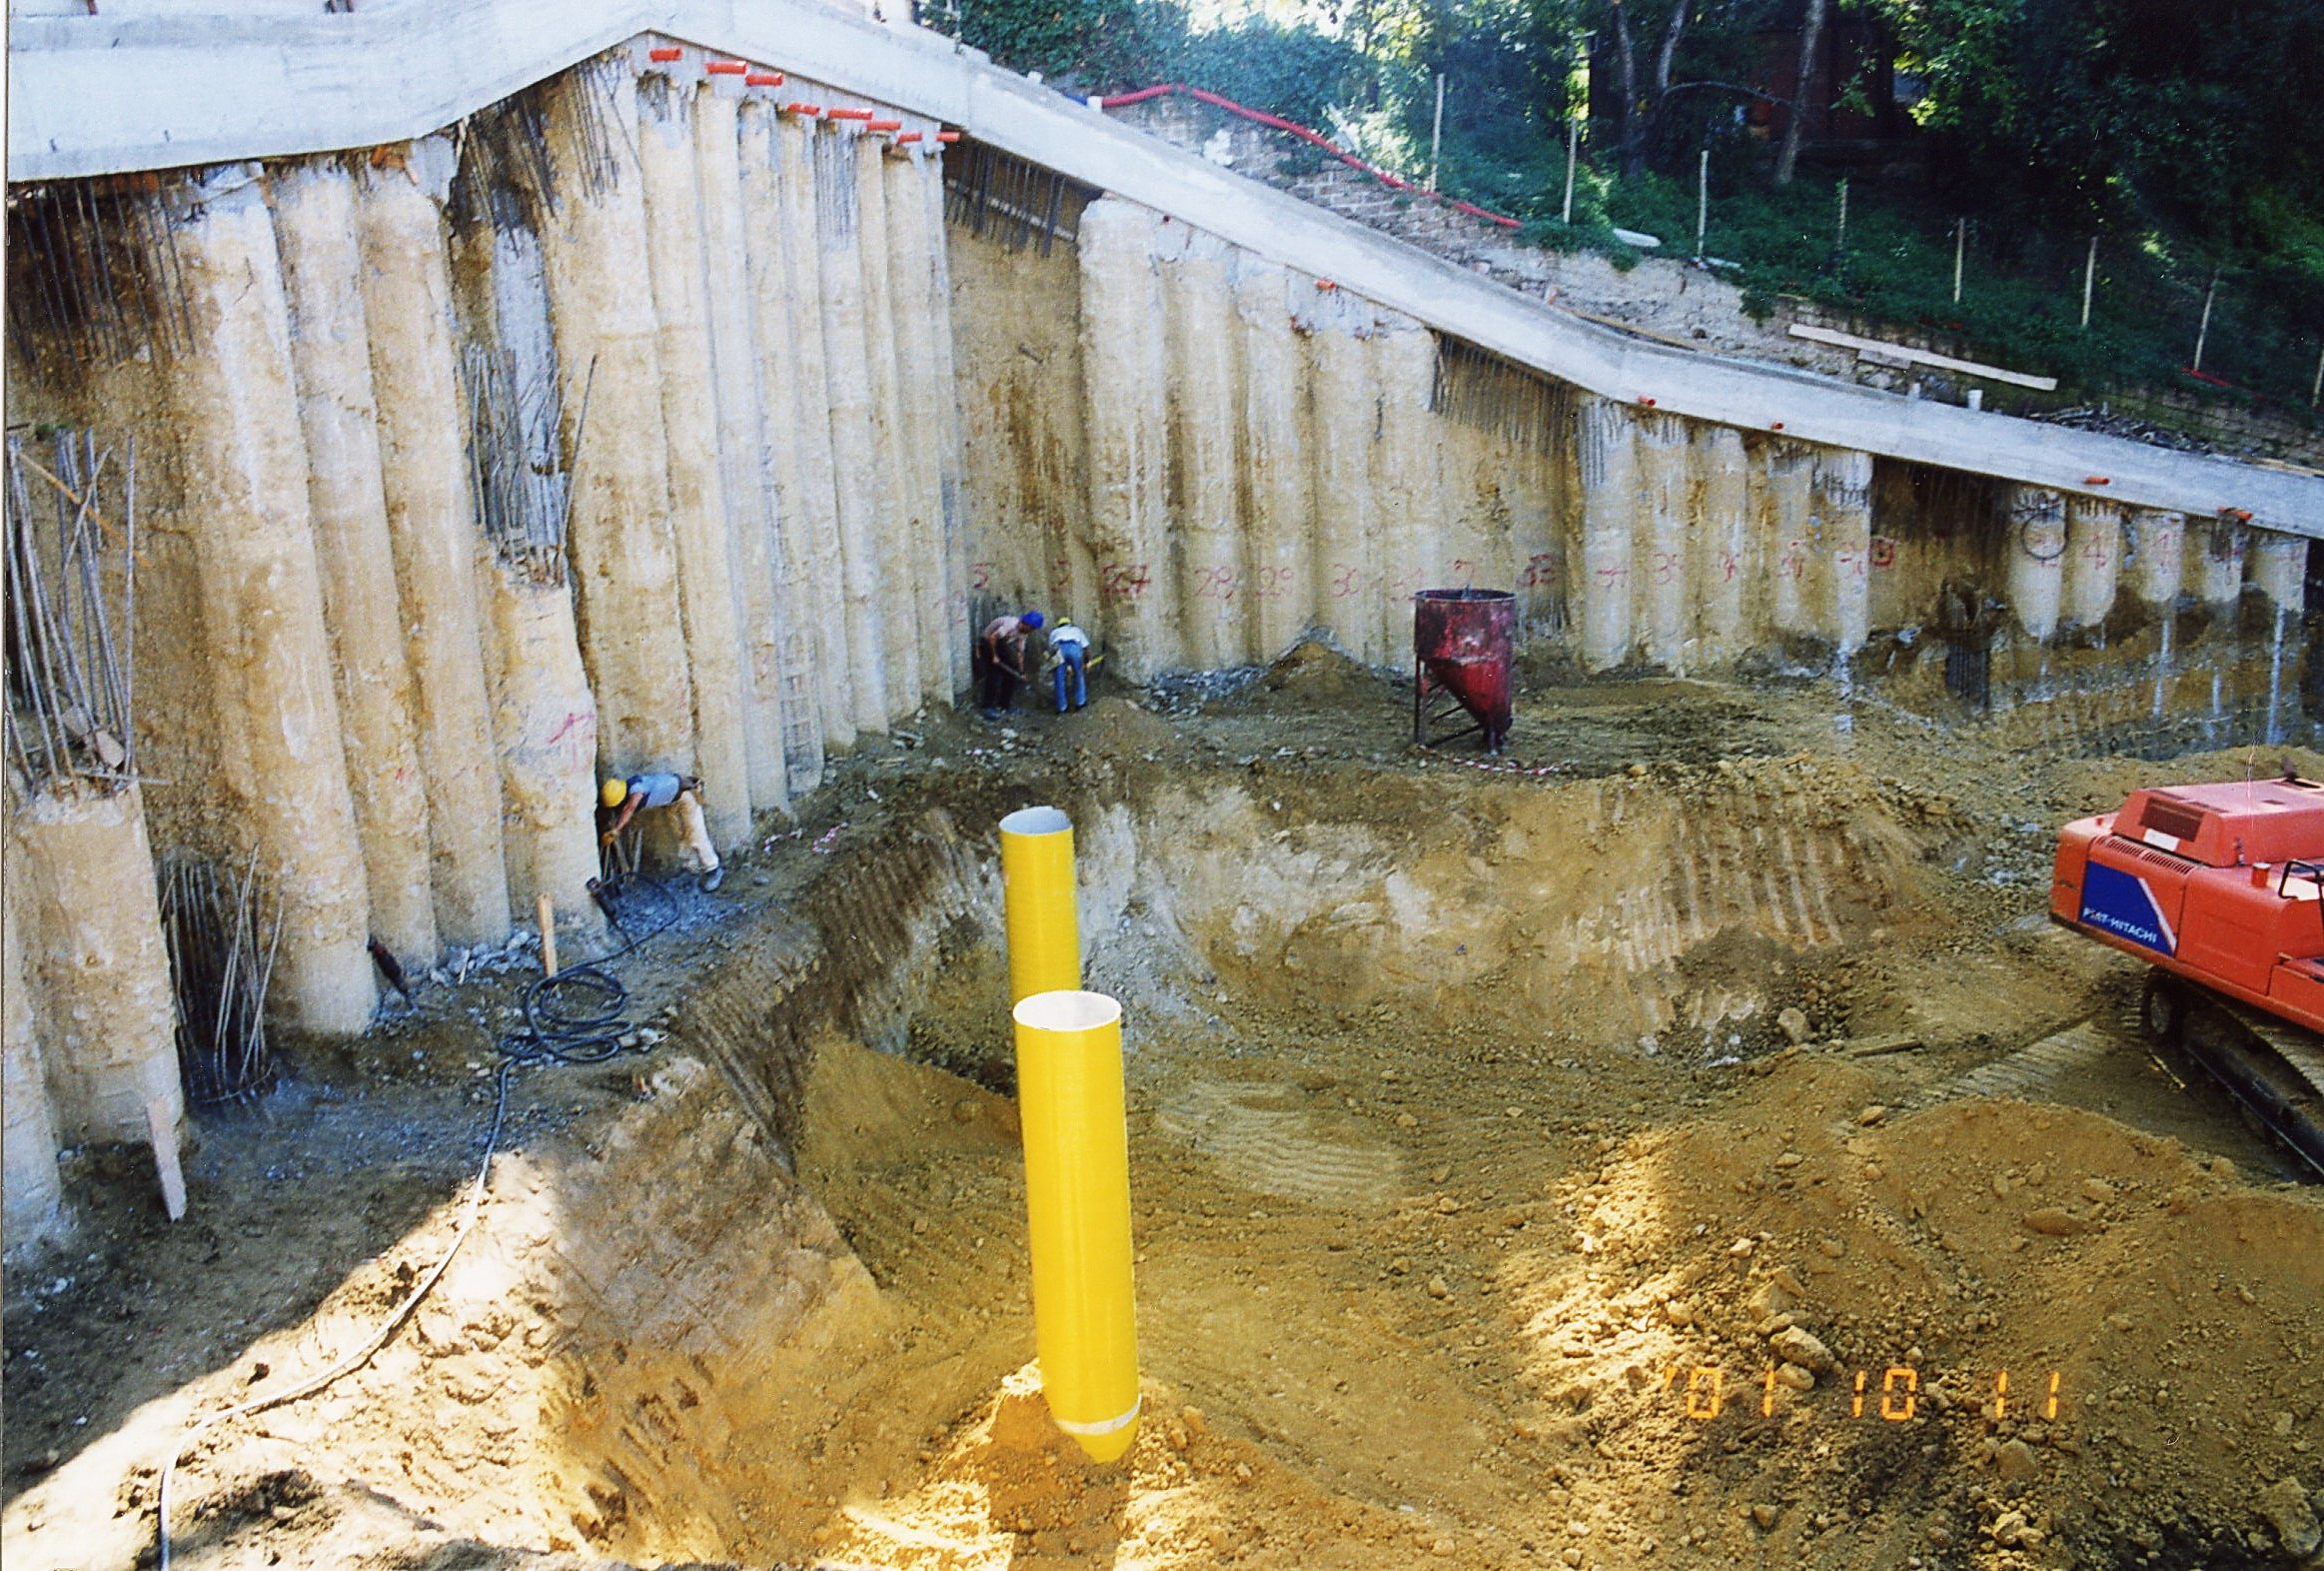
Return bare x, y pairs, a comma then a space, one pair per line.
2303, 1051
2275, 1069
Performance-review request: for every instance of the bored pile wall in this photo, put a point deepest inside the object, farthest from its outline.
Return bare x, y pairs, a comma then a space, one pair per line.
1201, 457
319, 477
388, 631
1211, 458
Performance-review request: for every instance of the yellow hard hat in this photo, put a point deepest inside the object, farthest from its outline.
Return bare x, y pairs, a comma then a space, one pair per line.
612, 792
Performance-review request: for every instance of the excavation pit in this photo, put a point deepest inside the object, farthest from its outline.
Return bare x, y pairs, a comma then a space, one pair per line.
1480, 1191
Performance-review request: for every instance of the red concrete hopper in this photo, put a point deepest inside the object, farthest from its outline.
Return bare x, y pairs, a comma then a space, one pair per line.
1463, 640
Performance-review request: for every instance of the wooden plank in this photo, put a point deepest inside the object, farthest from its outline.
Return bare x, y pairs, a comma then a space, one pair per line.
1621, 326
1872, 346
162, 1130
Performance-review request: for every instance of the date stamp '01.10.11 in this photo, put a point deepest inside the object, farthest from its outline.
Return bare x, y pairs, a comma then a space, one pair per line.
1704, 1392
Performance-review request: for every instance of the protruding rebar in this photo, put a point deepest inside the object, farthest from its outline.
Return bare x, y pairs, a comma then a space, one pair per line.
222, 937
68, 711
1482, 389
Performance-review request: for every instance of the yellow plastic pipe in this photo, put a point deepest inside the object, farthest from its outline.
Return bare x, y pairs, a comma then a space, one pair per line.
1078, 1201
1037, 898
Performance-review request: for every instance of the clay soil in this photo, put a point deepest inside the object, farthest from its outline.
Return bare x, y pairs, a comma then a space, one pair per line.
1477, 1205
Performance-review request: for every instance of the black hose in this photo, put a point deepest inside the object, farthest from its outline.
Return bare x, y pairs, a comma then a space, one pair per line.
579, 1015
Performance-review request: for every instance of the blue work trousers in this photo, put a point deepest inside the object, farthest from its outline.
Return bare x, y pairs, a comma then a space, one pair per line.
1070, 661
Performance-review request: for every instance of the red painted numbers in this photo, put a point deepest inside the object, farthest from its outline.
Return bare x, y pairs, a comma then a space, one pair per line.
1271, 582
1123, 579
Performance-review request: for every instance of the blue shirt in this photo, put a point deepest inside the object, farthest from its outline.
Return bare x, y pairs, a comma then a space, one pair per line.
656, 791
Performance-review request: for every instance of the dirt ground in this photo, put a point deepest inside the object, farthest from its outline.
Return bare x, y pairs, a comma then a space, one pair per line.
1661, 1158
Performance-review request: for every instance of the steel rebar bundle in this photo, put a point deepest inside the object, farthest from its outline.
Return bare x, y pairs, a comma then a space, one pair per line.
602, 145
1000, 197
71, 599
223, 934
94, 271
1482, 389
523, 493
505, 175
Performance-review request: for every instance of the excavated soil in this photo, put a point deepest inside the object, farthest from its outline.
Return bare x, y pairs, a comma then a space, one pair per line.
1492, 1133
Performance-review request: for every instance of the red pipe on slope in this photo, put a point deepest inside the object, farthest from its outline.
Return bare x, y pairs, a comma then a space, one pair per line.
1277, 123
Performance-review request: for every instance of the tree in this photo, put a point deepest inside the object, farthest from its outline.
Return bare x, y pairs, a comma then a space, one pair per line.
1641, 113
1810, 34
1724, 34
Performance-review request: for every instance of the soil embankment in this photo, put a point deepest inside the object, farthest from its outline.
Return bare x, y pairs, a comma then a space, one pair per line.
1527, 1168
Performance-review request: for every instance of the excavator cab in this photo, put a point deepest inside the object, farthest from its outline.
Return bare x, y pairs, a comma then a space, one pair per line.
2222, 884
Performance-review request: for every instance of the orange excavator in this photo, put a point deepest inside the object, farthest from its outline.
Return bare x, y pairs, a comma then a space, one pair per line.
2220, 890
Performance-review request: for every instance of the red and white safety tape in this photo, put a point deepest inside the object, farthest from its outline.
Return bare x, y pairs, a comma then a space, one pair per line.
823, 842
1491, 766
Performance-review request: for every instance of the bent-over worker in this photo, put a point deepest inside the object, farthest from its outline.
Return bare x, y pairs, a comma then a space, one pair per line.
1069, 660
1000, 650
664, 790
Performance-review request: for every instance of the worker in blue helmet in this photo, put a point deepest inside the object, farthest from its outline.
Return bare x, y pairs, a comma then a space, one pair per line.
1000, 656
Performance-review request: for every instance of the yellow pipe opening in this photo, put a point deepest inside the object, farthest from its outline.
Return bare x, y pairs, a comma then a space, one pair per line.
1038, 902
1077, 1204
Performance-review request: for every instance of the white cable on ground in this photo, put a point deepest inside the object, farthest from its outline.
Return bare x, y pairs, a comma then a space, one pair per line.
362, 1355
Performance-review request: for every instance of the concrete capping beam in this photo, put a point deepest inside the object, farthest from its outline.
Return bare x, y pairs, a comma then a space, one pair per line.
147, 86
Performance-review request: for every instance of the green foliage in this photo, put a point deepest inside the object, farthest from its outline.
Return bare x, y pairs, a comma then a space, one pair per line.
2116, 109
2021, 297
1111, 45
2185, 139
1297, 73
1102, 42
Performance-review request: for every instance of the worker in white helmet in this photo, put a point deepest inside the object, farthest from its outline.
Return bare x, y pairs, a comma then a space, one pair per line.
664, 790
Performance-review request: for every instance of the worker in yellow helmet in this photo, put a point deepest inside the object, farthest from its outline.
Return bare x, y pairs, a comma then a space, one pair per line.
664, 789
